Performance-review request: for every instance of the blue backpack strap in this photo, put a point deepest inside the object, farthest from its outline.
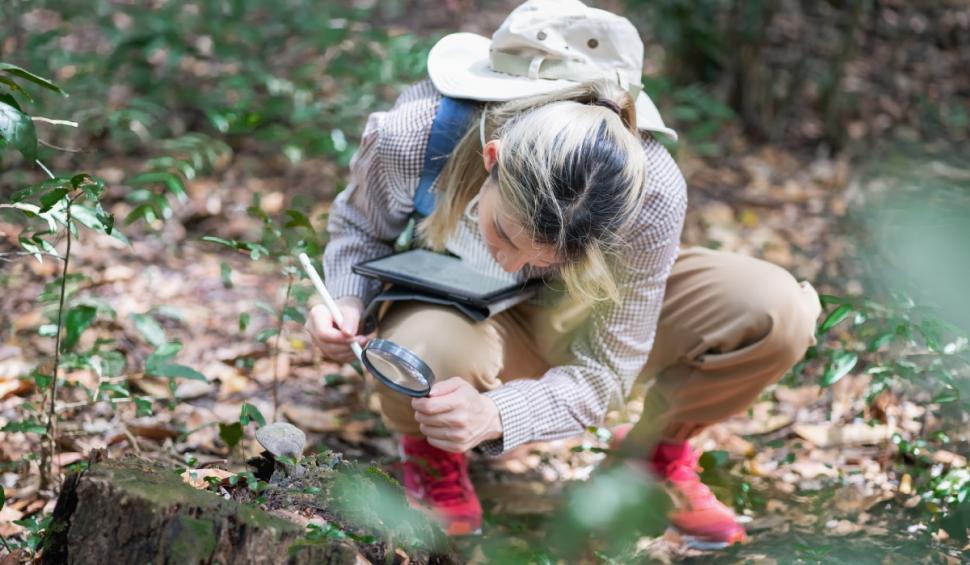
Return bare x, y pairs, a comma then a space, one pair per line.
450, 124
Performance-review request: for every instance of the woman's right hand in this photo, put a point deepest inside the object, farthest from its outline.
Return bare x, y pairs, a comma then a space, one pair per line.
333, 341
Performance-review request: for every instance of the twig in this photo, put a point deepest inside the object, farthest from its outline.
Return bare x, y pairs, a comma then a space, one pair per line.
46, 170
276, 347
52, 414
83, 403
58, 147
132, 440
4, 540
3, 256
54, 122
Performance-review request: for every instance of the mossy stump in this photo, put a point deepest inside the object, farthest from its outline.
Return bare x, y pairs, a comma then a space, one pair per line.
131, 511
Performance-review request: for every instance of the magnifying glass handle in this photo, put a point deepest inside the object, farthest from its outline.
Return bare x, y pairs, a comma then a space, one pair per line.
328, 300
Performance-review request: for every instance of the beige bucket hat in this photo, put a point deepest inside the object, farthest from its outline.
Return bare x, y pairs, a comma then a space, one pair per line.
541, 47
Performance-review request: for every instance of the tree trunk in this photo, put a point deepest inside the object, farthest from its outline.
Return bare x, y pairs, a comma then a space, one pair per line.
130, 511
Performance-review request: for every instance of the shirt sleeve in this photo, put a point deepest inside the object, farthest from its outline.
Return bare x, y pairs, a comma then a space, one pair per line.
613, 349
372, 211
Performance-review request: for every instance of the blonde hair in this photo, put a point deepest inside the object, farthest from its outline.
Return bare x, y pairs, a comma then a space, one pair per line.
571, 169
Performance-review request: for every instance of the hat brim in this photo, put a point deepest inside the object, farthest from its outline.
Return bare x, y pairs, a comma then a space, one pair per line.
458, 65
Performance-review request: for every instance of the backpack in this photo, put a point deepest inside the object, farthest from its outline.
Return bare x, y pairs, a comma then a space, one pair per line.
450, 123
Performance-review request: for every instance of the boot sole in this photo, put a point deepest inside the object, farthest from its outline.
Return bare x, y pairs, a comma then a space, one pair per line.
705, 544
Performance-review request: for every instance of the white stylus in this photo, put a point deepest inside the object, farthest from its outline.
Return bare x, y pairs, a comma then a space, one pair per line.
327, 299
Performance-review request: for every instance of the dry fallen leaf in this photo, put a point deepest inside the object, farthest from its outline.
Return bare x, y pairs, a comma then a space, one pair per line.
192, 389
7, 517
153, 386
156, 432
263, 369
196, 478
810, 469
798, 397
355, 431
15, 387
67, 457
949, 458
842, 527
831, 434
762, 418
312, 419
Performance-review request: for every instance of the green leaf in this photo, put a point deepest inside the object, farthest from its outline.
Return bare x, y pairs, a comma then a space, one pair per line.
220, 241
12, 85
93, 188
112, 363
715, 459
143, 406
170, 180
957, 522
244, 321
880, 340
51, 199
297, 219
266, 334
149, 328
17, 129
161, 356
28, 426
168, 350
833, 319
292, 313
30, 191
141, 212
41, 380
225, 271
77, 320
842, 362
117, 389
27, 75
173, 371
829, 299
250, 413
3, 498
107, 220
231, 433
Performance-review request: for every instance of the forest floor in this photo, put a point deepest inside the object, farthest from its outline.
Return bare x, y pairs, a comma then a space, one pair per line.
812, 470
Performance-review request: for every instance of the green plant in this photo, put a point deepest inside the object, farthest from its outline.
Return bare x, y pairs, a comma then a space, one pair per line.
288, 80
50, 211
696, 114
281, 242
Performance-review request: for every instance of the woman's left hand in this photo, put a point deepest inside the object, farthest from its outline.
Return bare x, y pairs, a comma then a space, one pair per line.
456, 417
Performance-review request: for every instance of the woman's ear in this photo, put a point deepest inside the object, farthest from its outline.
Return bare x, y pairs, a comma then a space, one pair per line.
490, 154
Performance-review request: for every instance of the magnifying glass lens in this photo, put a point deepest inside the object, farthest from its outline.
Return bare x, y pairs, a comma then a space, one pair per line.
398, 367
396, 370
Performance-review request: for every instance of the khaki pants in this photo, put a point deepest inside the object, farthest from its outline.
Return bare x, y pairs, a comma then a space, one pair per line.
730, 325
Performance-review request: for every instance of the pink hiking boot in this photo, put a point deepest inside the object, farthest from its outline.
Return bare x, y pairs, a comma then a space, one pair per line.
438, 479
702, 520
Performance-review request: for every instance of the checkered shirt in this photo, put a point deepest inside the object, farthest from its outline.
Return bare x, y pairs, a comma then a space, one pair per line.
369, 214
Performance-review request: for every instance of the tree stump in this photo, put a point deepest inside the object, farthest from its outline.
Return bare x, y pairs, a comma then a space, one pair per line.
131, 511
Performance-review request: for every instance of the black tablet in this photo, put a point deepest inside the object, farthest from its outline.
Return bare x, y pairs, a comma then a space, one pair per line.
428, 271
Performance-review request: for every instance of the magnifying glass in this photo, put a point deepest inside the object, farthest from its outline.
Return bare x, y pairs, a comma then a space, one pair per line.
396, 366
